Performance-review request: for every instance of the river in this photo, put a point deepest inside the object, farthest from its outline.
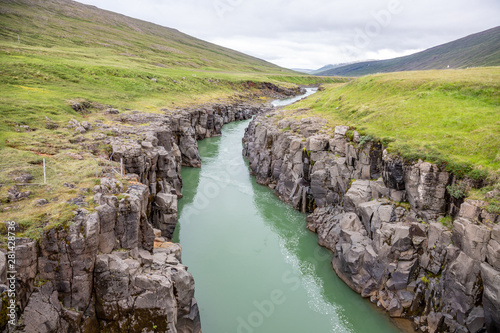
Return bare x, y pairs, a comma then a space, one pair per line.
257, 268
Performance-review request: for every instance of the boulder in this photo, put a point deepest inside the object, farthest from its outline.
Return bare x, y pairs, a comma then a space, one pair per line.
462, 287
493, 253
434, 322
471, 238
401, 241
359, 192
107, 218
393, 172
86, 125
491, 297
317, 143
475, 320
158, 292
425, 187
469, 210
67, 258
16, 195
165, 214
44, 312
27, 267
439, 239
374, 213
403, 275
23, 178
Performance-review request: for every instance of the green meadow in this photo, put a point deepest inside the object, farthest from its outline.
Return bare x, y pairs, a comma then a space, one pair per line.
442, 116
447, 117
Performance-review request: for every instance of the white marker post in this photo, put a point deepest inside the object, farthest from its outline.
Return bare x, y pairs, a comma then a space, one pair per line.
44, 173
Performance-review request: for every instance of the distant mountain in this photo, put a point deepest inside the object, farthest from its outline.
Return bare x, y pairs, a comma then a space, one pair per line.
477, 50
325, 68
302, 70
331, 67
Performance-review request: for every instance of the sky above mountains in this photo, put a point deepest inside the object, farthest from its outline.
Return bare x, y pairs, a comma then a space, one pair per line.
313, 33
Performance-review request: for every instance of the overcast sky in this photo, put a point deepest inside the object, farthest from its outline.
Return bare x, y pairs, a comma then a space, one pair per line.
313, 33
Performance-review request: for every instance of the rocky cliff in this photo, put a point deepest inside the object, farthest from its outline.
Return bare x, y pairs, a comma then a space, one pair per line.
105, 271
154, 147
380, 216
112, 267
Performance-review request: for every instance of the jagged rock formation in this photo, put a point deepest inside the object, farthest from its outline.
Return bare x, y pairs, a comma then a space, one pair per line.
379, 216
156, 151
112, 268
102, 273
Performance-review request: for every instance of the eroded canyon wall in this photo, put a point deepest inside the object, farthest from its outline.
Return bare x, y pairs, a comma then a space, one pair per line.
380, 217
112, 267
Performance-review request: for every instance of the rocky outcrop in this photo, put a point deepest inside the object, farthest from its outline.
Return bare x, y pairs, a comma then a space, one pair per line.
156, 146
105, 271
112, 267
152, 292
380, 216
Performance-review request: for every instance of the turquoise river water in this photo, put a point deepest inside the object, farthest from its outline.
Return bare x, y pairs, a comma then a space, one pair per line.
257, 268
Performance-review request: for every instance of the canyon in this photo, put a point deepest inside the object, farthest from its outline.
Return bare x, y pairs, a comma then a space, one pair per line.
380, 216
114, 268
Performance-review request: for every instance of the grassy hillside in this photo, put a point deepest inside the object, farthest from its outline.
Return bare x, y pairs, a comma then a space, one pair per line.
450, 117
69, 25
55, 53
477, 50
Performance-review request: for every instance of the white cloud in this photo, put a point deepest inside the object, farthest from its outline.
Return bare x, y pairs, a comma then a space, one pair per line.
286, 53
312, 33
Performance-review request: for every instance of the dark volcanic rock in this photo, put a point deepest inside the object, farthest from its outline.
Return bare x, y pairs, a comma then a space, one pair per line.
398, 254
16, 195
109, 270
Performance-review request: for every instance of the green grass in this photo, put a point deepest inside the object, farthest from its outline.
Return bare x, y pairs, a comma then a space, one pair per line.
70, 26
37, 85
55, 51
447, 221
68, 52
493, 201
448, 117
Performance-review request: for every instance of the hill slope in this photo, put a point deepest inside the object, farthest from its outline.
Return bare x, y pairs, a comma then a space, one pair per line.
448, 117
53, 52
477, 50
64, 23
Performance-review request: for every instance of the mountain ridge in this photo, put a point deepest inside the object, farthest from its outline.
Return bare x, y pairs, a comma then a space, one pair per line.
481, 49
